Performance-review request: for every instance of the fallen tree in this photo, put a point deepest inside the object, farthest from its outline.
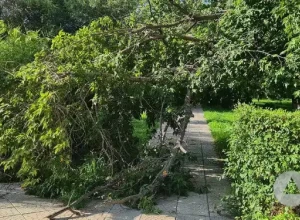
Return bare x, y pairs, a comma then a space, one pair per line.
78, 99
153, 186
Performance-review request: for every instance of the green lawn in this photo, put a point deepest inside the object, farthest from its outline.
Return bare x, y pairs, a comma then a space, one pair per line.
274, 104
221, 120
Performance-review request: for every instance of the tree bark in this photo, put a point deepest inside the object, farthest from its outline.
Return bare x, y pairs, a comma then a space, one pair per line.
296, 103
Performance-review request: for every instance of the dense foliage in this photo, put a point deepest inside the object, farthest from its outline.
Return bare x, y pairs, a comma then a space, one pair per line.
77, 101
256, 53
16, 49
263, 144
220, 120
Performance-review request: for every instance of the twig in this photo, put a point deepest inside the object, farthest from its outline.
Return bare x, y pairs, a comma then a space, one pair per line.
82, 198
191, 27
128, 49
160, 37
266, 53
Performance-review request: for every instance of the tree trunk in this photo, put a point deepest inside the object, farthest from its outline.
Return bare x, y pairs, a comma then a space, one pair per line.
296, 103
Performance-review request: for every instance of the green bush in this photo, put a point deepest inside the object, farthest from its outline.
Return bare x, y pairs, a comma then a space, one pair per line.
264, 144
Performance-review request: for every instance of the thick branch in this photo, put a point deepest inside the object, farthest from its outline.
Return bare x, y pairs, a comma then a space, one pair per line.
156, 27
207, 17
188, 38
155, 183
196, 17
187, 115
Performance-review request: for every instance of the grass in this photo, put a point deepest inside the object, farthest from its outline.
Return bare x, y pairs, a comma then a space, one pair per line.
274, 104
221, 120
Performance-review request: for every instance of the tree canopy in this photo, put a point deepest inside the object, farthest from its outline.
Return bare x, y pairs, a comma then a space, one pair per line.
253, 55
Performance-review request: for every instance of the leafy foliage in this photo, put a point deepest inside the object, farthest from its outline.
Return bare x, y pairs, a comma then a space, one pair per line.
254, 55
263, 144
77, 100
17, 49
148, 206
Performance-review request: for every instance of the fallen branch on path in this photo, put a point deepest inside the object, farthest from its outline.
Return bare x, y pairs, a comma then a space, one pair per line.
151, 188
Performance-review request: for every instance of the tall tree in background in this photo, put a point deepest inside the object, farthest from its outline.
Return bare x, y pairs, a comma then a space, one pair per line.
256, 54
49, 16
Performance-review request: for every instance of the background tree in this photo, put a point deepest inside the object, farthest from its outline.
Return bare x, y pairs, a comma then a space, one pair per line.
50, 16
249, 59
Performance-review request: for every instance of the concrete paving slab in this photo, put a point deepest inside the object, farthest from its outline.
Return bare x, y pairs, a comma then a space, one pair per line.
191, 217
15, 217
97, 206
168, 205
42, 215
157, 217
5, 204
194, 204
9, 212
29, 209
220, 218
123, 212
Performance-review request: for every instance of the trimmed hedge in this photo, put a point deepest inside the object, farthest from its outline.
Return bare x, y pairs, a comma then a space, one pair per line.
264, 143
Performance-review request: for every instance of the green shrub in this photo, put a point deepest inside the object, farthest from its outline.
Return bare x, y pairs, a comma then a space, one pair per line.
286, 213
263, 144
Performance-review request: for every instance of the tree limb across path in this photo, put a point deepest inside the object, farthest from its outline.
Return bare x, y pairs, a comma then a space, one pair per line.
157, 180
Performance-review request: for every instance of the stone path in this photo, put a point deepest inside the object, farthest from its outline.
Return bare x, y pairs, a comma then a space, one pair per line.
207, 175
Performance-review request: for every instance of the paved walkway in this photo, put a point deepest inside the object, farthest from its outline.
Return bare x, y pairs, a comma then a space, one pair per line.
207, 175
